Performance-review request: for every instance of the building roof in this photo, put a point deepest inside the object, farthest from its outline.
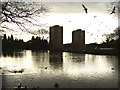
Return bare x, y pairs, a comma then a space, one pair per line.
56, 26
78, 30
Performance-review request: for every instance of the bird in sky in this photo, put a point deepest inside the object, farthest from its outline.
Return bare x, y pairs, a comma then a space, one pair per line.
95, 16
84, 8
113, 11
91, 34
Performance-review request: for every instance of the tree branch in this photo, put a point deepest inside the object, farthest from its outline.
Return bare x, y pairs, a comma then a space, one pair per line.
21, 13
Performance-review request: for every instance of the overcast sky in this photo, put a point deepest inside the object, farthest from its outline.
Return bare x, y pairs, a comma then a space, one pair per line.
72, 16
75, 7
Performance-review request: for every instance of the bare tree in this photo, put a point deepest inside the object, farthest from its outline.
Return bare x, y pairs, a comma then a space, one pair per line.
112, 36
117, 31
22, 14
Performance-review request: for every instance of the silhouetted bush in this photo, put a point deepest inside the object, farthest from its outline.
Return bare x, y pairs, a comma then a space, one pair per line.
34, 43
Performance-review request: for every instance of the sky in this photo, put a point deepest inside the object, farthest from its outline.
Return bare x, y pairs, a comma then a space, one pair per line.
72, 16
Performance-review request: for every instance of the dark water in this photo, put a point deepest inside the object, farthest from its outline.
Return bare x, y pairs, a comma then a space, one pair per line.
70, 70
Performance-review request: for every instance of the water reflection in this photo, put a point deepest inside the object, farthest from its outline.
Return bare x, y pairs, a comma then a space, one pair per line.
73, 63
12, 54
77, 57
40, 58
44, 68
56, 59
101, 64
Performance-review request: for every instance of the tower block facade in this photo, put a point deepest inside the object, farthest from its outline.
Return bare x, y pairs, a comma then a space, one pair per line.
78, 38
56, 37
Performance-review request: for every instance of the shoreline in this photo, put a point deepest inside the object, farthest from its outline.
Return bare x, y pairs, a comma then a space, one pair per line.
82, 51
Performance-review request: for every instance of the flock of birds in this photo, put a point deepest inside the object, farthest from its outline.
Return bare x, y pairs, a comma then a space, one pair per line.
86, 10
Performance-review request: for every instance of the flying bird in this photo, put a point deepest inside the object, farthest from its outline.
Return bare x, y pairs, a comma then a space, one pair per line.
91, 34
95, 16
113, 11
85, 8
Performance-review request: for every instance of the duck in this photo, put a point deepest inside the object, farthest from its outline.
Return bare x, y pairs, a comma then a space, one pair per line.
45, 67
56, 85
20, 71
19, 85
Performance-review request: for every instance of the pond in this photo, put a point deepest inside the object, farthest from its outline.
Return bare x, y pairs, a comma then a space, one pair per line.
69, 70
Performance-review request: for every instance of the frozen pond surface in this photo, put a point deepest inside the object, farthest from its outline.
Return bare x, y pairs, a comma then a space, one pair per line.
70, 70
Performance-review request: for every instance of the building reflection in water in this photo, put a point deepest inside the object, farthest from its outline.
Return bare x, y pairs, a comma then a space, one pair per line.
56, 60
77, 57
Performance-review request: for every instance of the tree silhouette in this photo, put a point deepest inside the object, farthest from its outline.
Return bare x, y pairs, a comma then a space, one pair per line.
21, 13
112, 40
8, 43
4, 37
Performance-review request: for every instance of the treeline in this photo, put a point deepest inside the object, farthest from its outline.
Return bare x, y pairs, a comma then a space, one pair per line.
9, 43
110, 44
